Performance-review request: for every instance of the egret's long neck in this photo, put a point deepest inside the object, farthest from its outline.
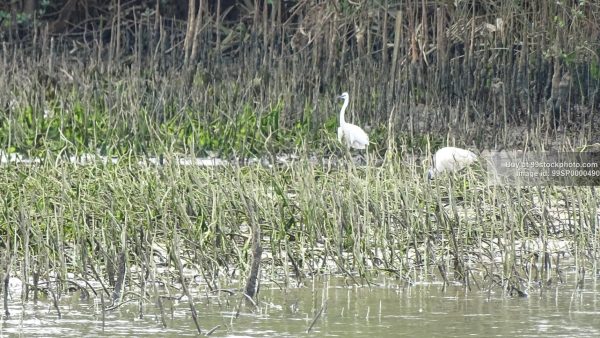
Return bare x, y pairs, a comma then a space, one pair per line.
342, 120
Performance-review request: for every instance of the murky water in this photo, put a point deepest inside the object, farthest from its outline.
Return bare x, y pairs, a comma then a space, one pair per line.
422, 310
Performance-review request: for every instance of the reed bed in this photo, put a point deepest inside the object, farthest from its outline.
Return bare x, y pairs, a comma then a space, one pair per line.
261, 83
260, 76
120, 228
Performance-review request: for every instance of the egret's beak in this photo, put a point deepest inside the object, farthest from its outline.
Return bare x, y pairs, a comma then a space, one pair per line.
339, 97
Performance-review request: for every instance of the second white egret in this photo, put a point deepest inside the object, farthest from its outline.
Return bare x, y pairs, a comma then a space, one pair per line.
352, 135
450, 159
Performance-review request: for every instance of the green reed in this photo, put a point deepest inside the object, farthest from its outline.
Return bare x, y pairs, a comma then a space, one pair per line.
126, 224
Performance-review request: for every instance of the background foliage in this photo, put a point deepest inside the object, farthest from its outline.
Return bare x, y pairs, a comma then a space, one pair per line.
253, 76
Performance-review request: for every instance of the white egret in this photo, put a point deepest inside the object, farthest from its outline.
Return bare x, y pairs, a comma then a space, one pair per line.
353, 135
450, 159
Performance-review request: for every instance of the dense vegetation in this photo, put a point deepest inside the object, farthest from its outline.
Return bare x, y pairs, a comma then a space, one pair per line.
137, 79
259, 76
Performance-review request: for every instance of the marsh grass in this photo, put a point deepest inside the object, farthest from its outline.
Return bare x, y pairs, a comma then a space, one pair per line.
119, 228
136, 230
478, 74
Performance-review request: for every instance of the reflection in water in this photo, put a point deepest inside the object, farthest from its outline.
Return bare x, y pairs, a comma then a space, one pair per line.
422, 310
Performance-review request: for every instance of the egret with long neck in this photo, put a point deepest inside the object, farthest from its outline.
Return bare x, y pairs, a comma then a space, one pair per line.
352, 135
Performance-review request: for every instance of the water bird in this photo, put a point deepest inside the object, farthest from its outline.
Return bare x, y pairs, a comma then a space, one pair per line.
450, 159
353, 135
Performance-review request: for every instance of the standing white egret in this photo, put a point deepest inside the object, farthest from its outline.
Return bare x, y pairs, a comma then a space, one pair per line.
353, 135
450, 159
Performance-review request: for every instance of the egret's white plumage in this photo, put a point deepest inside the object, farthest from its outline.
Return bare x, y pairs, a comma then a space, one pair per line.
450, 159
352, 135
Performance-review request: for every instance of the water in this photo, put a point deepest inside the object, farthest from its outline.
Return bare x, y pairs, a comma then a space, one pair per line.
422, 310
